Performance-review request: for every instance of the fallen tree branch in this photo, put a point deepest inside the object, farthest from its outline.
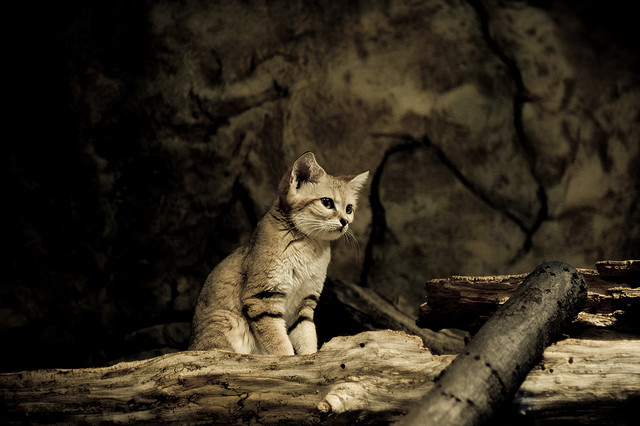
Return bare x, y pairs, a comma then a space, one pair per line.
371, 312
495, 363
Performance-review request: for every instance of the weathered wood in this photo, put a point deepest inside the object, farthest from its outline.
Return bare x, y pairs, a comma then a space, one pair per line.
581, 379
494, 364
467, 302
371, 377
365, 307
628, 270
593, 379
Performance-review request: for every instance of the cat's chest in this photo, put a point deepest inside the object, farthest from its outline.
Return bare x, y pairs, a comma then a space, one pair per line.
304, 271
305, 265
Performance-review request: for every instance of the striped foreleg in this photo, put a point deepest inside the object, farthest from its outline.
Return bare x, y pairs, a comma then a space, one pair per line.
302, 332
265, 314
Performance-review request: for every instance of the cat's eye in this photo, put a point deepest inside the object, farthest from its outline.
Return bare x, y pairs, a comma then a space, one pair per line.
349, 209
327, 202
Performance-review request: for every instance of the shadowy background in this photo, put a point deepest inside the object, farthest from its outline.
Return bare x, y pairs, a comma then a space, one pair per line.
149, 137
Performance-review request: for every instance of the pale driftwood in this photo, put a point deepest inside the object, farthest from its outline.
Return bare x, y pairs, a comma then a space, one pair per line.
585, 380
594, 379
375, 313
495, 363
467, 302
371, 377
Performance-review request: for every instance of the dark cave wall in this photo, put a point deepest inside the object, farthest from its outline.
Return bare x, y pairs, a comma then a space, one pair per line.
498, 135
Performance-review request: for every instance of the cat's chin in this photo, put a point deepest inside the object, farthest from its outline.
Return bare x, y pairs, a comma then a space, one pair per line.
334, 235
337, 235
330, 235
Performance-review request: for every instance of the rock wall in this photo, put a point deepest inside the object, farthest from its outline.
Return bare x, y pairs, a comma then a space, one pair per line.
498, 135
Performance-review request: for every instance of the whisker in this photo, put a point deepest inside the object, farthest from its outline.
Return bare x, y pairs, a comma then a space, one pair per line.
352, 242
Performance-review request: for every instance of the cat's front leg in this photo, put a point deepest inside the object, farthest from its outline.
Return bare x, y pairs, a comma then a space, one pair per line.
304, 338
302, 332
264, 312
272, 335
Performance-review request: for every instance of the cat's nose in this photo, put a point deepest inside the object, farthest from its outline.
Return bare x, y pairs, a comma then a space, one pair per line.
344, 222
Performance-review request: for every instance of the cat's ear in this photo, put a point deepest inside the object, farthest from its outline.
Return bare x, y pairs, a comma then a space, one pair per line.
356, 183
305, 170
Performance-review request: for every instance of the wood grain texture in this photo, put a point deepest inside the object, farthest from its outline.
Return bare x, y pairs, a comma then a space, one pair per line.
590, 379
371, 376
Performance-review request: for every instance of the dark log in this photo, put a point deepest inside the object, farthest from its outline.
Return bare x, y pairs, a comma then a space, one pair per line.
466, 302
494, 364
625, 270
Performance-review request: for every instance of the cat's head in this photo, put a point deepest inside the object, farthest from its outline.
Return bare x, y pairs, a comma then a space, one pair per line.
318, 204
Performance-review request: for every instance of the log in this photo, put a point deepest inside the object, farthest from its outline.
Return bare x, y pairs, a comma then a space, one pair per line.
495, 363
370, 377
582, 378
625, 270
367, 309
591, 379
466, 302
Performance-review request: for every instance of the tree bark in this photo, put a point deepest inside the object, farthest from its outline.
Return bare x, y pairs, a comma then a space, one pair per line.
494, 364
467, 302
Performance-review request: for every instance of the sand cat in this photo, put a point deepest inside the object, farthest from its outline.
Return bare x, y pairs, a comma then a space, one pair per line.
261, 298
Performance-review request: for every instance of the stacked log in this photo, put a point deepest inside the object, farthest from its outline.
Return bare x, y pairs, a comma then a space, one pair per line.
373, 377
